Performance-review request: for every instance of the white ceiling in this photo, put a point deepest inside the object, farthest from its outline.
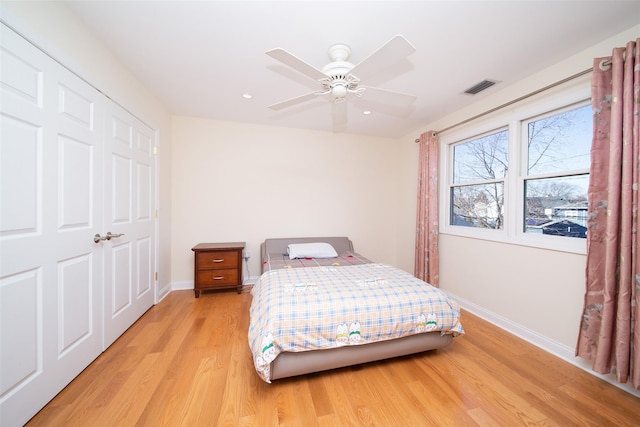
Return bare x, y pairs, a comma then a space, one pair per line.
199, 57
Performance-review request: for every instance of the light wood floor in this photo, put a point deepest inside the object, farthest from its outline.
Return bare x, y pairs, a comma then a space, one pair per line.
187, 362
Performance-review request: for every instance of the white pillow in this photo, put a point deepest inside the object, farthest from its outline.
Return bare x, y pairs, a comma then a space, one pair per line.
311, 250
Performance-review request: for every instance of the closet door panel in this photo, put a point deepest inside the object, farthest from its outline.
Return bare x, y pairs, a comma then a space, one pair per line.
75, 310
22, 323
51, 197
79, 216
129, 199
21, 328
20, 157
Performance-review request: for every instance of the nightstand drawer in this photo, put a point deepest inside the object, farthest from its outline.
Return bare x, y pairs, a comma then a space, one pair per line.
217, 277
218, 259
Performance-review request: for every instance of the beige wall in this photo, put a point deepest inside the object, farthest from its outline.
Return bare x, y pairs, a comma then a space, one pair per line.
239, 182
536, 293
54, 29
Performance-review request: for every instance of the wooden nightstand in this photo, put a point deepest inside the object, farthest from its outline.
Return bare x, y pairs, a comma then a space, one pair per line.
217, 266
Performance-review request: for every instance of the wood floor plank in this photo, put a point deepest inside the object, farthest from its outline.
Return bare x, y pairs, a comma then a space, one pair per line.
506, 404
338, 384
359, 397
295, 406
442, 410
481, 418
408, 406
134, 394
557, 413
320, 396
201, 404
186, 362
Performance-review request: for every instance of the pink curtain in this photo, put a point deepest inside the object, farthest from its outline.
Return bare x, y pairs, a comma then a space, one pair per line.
426, 255
610, 333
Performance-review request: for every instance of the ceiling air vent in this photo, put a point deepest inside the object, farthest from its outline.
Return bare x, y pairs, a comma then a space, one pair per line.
479, 87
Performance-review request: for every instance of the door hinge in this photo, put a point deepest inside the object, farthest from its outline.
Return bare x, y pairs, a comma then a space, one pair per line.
155, 276
155, 150
156, 213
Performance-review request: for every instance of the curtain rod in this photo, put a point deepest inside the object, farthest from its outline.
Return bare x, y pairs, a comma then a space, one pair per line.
535, 92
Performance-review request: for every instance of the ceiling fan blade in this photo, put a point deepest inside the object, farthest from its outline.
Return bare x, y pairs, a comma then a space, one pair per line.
296, 63
295, 101
389, 97
339, 116
393, 51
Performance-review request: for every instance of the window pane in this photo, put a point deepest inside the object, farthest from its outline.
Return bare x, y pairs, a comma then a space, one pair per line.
561, 142
481, 159
479, 206
557, 206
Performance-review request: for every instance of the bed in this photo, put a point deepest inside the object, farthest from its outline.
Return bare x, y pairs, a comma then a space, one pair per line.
319, 305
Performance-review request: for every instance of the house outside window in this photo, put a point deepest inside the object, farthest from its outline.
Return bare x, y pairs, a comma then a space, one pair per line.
521, 176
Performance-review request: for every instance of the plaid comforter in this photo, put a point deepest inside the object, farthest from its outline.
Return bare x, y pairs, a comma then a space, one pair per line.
301, 309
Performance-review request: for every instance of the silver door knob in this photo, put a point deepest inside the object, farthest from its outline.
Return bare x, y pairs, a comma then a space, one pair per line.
97, 238
111, 235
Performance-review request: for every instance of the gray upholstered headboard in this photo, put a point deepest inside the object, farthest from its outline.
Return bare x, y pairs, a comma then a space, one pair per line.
279, 245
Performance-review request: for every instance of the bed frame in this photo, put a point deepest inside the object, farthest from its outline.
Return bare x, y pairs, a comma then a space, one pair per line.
289, 364
279, 246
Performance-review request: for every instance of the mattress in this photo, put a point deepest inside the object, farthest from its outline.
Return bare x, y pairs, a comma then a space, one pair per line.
319, 314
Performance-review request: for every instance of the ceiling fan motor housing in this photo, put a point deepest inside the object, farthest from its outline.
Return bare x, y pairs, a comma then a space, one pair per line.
339, 52
340, 82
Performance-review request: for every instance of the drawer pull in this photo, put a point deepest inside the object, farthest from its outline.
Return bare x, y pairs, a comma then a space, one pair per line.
218, 277
218, 260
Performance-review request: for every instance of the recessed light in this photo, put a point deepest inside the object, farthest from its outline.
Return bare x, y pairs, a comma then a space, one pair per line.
366, 112
247, 96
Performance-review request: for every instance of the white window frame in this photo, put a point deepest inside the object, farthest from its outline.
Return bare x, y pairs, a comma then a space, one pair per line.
571, 94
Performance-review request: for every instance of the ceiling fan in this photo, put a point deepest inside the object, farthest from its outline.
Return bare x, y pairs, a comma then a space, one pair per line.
340, 79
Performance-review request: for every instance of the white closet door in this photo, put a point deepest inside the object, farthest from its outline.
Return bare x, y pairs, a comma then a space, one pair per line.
130, 213
72, 165
51, 271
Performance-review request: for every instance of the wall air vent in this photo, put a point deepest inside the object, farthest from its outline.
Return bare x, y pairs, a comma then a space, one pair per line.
479, 87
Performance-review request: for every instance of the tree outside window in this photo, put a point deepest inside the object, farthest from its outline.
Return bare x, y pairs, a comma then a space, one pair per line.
479, 169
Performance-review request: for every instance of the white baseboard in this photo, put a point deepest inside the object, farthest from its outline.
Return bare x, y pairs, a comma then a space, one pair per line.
163, 292
557, 349
182, 286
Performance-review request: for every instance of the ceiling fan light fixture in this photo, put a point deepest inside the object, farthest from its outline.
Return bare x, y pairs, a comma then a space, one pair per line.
339, 92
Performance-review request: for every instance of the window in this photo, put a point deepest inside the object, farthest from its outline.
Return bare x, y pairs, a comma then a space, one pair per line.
521, 176
479, 170
557, 173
